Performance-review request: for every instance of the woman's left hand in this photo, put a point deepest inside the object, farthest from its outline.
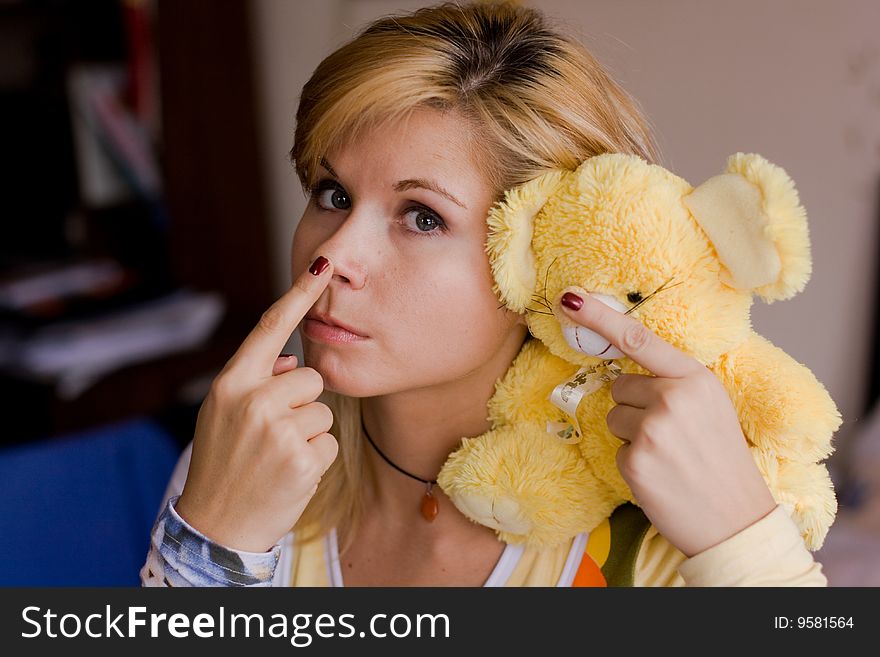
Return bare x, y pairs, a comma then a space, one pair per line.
685, 457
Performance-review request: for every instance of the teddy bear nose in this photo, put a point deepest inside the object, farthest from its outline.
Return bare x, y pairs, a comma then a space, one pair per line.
586, 341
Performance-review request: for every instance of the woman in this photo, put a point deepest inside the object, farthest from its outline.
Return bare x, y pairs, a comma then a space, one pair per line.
405, 138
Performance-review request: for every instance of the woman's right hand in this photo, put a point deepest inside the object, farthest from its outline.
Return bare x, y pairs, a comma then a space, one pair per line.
261, 443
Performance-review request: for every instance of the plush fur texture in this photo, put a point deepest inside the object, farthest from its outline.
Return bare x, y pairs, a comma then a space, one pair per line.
617, 226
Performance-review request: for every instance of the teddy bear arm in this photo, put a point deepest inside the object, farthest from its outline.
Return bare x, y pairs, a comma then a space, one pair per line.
783, 409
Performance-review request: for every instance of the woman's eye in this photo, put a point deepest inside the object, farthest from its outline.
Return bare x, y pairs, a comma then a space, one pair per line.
336, 198
329, 195
425, 221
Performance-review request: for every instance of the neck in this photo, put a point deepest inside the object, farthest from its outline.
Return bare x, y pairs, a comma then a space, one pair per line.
418, 429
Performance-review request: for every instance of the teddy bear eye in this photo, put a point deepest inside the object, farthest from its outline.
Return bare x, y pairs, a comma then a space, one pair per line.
634, 297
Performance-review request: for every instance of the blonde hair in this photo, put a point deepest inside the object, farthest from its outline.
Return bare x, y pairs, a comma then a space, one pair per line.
537, 98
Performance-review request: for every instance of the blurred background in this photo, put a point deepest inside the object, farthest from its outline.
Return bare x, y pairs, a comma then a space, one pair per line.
149, 207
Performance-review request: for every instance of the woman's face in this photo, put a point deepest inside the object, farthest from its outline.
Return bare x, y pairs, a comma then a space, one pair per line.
401, 214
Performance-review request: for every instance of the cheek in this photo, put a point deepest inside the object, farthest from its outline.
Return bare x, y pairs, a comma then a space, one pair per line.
304, 242
456, 310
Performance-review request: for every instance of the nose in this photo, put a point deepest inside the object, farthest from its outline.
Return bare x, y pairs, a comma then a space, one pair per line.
349, 246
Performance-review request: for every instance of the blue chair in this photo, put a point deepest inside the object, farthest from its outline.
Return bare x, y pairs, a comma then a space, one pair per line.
76, 510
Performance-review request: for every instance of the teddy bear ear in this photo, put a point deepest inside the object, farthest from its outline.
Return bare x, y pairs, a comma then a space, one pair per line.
509, 241
754, 219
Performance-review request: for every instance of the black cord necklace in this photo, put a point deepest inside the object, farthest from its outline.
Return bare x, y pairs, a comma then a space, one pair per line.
429, 506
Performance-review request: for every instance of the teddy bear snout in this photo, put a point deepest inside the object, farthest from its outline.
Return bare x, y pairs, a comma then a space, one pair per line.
589, 342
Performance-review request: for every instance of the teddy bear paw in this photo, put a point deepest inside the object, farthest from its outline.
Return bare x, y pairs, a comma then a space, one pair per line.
498, 512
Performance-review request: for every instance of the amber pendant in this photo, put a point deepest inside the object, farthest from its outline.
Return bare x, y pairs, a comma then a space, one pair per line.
430, 506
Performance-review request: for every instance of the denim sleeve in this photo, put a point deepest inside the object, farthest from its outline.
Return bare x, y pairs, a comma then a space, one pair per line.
180, 555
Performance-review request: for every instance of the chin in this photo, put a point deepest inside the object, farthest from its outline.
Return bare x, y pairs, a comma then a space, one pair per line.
339, 377
349, 389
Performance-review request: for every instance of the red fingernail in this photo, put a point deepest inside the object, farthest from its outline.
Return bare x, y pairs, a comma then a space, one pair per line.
571, 300
319, 265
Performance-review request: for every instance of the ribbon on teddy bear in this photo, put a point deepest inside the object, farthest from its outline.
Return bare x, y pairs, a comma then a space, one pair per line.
568, 395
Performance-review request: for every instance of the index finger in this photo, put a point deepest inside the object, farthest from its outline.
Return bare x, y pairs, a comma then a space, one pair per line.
629, 335
261, 347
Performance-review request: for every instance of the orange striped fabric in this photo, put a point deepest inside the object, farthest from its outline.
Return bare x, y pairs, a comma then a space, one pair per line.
589, 573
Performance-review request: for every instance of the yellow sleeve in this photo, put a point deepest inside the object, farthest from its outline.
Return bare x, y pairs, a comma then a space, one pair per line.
308, 565
657, 562
769, 552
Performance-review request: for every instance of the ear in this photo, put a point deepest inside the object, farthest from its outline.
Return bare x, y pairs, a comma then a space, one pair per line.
509, 241
754, 219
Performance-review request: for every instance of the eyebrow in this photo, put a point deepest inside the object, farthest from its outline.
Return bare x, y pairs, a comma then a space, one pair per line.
326, 165
410, 183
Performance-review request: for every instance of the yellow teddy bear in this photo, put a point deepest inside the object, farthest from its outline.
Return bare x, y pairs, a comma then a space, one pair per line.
685, 262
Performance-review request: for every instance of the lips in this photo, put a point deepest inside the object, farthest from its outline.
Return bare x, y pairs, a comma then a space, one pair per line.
330, 321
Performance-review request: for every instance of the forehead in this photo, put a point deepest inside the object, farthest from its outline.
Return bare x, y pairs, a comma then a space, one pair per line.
426, 141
